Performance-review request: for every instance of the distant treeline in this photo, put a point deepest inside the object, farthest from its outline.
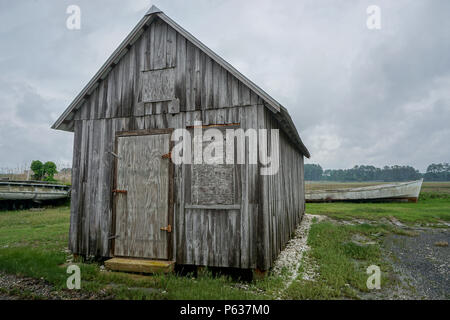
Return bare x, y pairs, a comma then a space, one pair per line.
435, 172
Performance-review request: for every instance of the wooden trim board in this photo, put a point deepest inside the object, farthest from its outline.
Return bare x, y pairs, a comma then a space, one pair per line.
139, 265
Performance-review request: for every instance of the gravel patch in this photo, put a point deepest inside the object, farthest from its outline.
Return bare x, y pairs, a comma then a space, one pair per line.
423, 264
31, 288
290, 259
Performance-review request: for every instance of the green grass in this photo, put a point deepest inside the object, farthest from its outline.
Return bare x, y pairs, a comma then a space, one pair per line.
341, 263
170, 286
431, 208
34, 244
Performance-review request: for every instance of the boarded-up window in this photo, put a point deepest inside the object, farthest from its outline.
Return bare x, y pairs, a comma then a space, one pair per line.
214, 184
158, 85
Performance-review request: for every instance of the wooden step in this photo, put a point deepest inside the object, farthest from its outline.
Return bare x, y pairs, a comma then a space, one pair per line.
139, 265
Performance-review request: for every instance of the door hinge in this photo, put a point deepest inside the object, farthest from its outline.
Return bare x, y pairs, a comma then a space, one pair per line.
113, 237
167, 155
168, 228
120, 191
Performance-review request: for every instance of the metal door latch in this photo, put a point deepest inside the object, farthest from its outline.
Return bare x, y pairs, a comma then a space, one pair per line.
115, 154
168, 228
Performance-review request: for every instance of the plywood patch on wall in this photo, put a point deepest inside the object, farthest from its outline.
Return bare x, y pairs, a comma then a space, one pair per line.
158, 85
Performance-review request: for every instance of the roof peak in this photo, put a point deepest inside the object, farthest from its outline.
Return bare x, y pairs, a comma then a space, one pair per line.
153, 9
66, 120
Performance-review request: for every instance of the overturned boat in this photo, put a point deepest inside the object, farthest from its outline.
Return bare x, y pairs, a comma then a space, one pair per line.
11, 190
402, 191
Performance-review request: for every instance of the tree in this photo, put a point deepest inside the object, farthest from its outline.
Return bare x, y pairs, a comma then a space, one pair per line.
438, 172
313, 172
38, 169
44, 171
49, 171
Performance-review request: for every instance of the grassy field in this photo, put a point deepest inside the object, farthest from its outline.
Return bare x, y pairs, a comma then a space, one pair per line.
34, 244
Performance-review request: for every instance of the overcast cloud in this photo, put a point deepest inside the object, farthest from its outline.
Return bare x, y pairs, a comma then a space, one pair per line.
357, 96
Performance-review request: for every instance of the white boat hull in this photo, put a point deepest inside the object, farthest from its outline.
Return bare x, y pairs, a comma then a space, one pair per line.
395, 191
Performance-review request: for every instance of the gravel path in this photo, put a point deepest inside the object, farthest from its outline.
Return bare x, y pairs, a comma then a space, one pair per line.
290, 259
422, 262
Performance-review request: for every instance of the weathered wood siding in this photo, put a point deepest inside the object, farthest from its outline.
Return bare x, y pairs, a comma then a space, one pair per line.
221, 237
195, 88
282, 197
199, 83
91, 211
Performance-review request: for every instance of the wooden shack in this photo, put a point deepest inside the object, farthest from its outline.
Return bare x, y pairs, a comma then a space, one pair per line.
130, 200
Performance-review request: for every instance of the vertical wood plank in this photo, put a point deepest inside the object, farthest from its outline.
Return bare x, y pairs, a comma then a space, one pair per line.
190, 76
180, 83
159, 45
171, 57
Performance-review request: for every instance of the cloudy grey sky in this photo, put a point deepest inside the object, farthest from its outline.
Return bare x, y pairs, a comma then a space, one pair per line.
357, 96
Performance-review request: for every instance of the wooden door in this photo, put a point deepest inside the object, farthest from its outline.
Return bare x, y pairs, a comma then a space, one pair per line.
142, 206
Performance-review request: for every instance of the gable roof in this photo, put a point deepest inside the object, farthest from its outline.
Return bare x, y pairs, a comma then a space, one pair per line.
134, 35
